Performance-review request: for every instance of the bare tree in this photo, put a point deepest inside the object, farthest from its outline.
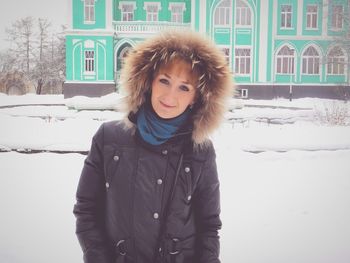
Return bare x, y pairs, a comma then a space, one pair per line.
7, 61
21, 35
42, 69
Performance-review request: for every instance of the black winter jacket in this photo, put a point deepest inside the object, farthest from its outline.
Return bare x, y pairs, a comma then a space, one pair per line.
124, 187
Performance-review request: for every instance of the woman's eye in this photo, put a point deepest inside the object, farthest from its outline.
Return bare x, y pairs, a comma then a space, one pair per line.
184, 88
164, 81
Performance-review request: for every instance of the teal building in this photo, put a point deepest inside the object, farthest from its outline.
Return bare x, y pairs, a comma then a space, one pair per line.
275, 48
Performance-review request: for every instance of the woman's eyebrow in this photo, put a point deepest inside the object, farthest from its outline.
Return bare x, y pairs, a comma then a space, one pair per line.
185, 82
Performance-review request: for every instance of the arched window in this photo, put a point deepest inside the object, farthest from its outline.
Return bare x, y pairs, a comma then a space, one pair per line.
335, 62
222, 13
285, 61
124, 53
243, 14
311, 61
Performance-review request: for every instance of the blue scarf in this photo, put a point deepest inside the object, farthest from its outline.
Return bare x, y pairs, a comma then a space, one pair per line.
156, 130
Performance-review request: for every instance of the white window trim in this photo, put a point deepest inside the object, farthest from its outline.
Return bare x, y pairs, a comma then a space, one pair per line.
121, 3
229, 51
177, 4
340, 57
93, 72
247, 7
244, 93
229, 18
291, 18
319, 59
89, 22
317, 13
337, 28
145, 4
294, 65
251, 62
182, 5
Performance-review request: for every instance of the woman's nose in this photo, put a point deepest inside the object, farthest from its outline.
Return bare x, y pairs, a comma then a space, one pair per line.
170, 94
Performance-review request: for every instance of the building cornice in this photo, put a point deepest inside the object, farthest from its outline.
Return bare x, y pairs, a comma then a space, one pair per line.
89, 32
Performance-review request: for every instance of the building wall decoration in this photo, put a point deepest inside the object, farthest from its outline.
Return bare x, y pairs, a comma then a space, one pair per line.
275, 48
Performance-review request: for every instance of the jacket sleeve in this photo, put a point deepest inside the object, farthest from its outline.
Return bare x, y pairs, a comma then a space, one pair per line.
89, 207
207, 209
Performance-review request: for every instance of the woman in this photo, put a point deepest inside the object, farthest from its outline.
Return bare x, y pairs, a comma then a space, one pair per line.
149, 189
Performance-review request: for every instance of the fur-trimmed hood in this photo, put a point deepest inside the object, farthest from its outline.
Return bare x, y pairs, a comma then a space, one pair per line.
215, 81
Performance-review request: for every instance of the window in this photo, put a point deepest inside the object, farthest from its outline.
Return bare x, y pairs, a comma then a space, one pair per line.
89, 61
89, 11
286, 16
226, 52
244, 93
311, 61
177, 10
127, 10
336, 62
123, 54
222, 13
152, 10
337, 17
311, 16
242, 61
243, 14
285, 61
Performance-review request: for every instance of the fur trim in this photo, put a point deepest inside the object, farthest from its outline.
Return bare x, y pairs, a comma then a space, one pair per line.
215, 81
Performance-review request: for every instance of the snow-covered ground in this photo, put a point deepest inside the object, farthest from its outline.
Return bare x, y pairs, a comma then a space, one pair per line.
285, 187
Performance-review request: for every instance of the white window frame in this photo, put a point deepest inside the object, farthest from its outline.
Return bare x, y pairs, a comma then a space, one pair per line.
336, 65
150, 16
243, 14
312, 61
89, 11
89, 62
311, 16
244, 93
177, 17
337, 19
222, 14
285, 61
129, 3
243, 59
227, 53
285, 16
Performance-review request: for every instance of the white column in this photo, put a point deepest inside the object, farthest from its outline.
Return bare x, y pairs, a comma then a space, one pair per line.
274, 34
325, 18
263, 38
300, 18
193, 14
109, 14
202, 16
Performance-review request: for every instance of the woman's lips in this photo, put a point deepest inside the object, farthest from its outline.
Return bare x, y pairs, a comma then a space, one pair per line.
166, 105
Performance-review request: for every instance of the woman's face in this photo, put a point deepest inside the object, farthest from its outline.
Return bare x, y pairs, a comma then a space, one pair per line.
173, 89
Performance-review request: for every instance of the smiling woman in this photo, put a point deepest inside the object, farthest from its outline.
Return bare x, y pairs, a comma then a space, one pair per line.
149, 189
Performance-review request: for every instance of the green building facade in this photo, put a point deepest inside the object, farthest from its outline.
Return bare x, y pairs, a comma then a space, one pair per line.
275, 48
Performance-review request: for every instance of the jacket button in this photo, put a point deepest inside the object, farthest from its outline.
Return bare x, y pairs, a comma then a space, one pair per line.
107, 185
159, 181
189, 198
187, 169
164, 152
116, 158
155, 215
